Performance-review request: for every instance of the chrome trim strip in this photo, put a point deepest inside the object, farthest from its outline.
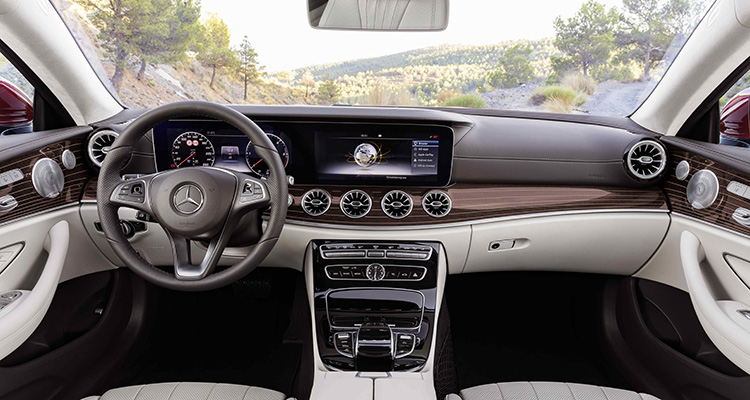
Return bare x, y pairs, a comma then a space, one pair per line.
472, 222
74, 204
710, 224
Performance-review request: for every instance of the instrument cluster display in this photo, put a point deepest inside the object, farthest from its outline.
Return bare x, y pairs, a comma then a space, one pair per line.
213, 144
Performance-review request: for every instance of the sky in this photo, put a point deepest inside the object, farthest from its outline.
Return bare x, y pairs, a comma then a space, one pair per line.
280, 32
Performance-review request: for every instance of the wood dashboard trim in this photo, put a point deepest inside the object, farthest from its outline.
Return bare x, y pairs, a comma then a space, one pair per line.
475, 202
720, 212
29, 201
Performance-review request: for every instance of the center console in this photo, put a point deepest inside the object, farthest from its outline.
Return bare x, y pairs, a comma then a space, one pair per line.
374, 303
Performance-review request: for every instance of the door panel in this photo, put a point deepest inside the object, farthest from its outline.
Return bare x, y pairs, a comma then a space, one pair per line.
719, 315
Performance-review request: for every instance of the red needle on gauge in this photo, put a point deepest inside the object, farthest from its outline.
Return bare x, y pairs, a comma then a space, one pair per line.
259, 161
183, 161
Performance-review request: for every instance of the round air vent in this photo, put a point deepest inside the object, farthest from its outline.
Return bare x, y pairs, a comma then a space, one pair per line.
316, 202
437, 203
702, 189
647, 159
396, 204
355, 203
99, 145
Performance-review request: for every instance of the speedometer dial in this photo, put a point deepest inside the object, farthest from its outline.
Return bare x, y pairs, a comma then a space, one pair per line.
192, 149
257, 165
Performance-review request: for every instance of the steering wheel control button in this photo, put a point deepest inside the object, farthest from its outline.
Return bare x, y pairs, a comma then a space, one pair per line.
251, 191
188, 199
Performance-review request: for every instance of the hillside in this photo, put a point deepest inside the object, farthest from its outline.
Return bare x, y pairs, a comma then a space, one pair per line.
164, 83
420, 76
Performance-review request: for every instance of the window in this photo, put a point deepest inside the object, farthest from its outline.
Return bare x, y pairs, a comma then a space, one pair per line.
16, 100
734, 128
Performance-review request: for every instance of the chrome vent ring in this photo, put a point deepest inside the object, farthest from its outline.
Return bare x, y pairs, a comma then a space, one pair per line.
397, 204
355, 203
99, 144
316, 202
437, 203
647, 159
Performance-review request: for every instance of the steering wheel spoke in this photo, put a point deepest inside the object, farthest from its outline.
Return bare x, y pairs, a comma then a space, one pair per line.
184, 267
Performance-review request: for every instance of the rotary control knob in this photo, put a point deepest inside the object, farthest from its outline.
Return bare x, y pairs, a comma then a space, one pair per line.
375, 272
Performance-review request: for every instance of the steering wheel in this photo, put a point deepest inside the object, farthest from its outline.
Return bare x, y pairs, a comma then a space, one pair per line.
196, 203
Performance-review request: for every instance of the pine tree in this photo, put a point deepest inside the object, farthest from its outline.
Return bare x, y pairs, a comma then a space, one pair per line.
587, 38
214, 51
248, 65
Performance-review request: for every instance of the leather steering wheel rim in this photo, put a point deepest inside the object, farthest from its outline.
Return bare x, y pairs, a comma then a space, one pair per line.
119, 156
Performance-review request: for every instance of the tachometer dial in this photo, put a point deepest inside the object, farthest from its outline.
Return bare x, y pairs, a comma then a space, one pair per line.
257, 165
192, 149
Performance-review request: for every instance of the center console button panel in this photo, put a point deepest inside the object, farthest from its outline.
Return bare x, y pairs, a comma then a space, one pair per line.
375, 272
374, 303
373, 250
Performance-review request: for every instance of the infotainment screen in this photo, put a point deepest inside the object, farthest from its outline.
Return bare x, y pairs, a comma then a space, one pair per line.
395, 156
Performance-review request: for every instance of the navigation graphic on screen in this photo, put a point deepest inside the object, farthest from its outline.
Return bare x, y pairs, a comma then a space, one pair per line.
368, 154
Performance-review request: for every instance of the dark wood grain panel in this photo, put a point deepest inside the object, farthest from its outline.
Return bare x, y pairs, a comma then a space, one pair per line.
29, 201
477, 202
720, 213
472, 202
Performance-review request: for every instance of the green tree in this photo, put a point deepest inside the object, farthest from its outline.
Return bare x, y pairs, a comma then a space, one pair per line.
648, 27
329, 92
513, 69
308, 81
166, 28
214, 51
117, 22
587, 38
248, 66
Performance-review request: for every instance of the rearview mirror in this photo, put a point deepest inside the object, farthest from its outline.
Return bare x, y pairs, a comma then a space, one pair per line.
379, 15
16, 110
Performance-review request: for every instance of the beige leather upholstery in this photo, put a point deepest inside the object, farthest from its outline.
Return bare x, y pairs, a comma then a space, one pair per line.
545, 391
385, 14
189, 391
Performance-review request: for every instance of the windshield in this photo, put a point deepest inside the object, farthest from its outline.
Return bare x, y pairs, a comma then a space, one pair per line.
567, 56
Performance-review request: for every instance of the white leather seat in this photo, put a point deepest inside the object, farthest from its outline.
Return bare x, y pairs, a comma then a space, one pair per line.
189, 391
545, 391
385, 14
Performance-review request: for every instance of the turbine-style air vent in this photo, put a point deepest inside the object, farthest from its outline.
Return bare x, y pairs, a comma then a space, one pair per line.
647, 159
316, 202
437, 203
99, 145
396, 204
355, 203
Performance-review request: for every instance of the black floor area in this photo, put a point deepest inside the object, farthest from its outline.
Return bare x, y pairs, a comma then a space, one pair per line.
230, 335
527, 327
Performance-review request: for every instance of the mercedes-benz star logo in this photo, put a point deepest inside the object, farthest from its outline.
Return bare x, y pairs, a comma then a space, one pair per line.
188, 199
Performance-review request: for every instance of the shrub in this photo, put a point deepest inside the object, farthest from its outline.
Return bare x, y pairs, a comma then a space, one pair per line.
557, 98
466, 101
579, 83
619, 72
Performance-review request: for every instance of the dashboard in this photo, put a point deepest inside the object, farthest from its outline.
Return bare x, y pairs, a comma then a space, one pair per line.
315, 153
